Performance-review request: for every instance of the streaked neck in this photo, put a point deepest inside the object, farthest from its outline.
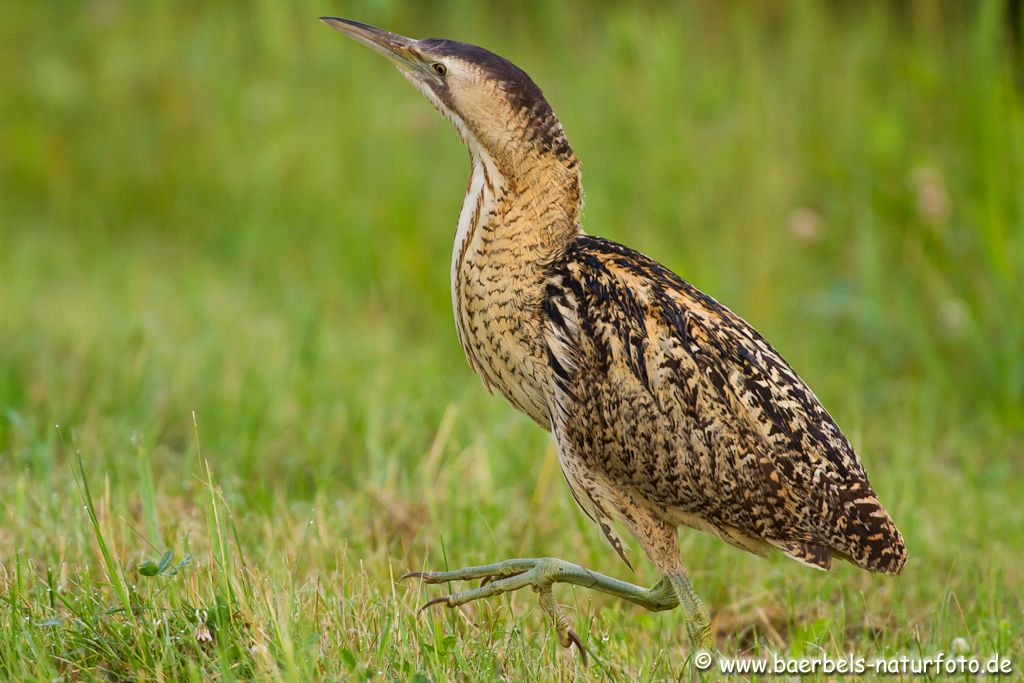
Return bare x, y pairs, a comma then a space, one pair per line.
534, 200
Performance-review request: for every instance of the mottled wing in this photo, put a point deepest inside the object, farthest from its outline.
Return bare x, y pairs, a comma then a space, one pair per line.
662, 392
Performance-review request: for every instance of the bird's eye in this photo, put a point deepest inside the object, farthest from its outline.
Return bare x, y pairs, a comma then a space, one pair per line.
439, 68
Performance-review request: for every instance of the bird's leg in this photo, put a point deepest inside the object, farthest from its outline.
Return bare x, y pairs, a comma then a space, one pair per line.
660, 541
541, 574
698, 620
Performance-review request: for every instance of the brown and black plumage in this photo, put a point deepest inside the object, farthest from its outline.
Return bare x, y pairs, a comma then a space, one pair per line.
673, 405
666, 408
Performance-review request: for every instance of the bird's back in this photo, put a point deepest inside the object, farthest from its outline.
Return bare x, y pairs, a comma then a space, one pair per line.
662, 392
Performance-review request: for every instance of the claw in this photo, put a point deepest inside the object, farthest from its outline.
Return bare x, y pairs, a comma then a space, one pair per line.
575, 640
413, 575
431, 603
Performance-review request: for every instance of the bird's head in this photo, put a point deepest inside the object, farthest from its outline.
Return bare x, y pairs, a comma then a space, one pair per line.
499, 111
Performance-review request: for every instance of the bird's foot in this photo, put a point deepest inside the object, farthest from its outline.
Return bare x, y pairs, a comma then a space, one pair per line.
511, 575
541, 574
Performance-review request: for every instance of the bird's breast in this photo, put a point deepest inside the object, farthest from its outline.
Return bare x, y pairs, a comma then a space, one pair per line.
496, 288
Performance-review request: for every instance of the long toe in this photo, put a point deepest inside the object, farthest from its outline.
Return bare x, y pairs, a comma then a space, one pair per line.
567, 636
489, 590
487, 572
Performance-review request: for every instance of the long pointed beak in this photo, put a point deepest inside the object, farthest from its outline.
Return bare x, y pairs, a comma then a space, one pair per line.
396, 48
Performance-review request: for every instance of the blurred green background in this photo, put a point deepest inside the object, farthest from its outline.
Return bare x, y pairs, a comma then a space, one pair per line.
224, 240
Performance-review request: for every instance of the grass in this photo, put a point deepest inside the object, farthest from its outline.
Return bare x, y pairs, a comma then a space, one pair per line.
232, 406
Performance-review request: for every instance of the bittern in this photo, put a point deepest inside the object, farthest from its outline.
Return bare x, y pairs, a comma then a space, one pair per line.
667, 409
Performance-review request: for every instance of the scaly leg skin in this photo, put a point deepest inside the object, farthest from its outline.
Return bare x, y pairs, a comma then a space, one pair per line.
698, 620
541, 574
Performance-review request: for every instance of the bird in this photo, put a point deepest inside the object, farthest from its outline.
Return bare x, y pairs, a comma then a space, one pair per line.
667, 410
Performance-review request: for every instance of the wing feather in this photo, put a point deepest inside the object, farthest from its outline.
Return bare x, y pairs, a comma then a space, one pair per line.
667, 393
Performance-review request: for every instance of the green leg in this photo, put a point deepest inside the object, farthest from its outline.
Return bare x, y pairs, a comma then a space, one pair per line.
541, 574
698, 620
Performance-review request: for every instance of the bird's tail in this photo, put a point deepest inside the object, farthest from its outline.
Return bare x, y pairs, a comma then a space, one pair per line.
872, 540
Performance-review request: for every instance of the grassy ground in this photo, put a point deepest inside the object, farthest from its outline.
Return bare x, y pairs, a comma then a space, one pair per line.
227, 359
